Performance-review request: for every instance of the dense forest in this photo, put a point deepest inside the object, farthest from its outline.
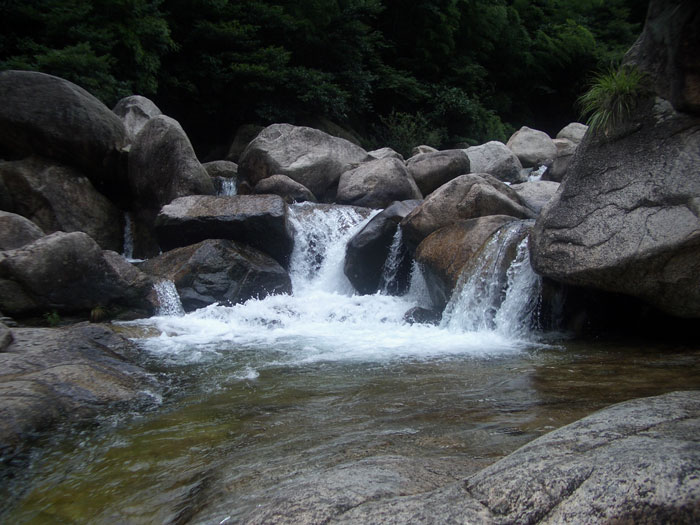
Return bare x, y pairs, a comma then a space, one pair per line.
393, 71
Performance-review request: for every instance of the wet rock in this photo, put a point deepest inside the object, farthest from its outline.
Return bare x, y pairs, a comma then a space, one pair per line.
290, 190
496, 159
50, 375
466, 197
574, 132
536, 194
257, 220
532, 147
219, 271
432, 170
6, 337
626, 218
421, 315
376, 184
445, 252
221, 168
59, 198
386, 153
16, 231
51, 117
134, 112
68, 272
311, 157
367, 251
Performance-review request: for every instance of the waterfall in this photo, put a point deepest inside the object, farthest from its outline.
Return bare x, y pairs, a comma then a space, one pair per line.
387, 282
498, 290
128, 237
168, 299
227, 186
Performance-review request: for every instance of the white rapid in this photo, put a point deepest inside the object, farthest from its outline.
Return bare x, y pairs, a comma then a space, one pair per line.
392, 264
323, 320
228, 187
168, 299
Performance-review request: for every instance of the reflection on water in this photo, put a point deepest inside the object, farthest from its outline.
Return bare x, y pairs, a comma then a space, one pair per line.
233, 430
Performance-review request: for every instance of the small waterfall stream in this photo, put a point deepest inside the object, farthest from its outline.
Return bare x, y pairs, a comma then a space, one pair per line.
393, 262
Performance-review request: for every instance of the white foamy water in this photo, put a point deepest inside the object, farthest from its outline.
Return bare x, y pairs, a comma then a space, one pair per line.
323, 320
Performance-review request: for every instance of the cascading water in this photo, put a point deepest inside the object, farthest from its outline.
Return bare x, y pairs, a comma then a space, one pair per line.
392, 264
324, 319
168, 299
128, 237
228, 187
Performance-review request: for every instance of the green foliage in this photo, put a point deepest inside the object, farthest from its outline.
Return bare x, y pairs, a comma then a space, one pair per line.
612, 97
52, 318
402, 132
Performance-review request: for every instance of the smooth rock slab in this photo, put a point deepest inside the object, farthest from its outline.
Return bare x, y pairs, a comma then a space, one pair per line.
16, 231
290, 190
432, 170
219, 271
376, 184
532, 147
257, 220
536, 194
495, 158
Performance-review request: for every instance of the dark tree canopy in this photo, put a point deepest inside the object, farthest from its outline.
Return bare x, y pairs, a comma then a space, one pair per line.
445, 71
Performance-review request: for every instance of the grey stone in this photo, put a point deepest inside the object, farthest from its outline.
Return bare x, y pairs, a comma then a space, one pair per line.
386, 153
58, 198
495, 158
134, 112
309, 156
376, 184
432, 170
16, 231
419, 150
51, 117
6, 336
221, 168
536, 194
219, 271
260, 221
627, 216
466, 197
290, 190
574, 132
532, 147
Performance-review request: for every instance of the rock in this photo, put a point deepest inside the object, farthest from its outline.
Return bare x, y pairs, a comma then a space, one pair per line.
573, 132
496, 159
565, 153
536, 194
68, 272
466, 197
163, 165
367, 251
244, 135
432, 170
257, 220
59, 198
51, 117
311, 157
376, 184
221, 168
6, 337
290, 190
444, 253
627, 216
16, 231
532, 147
50, 375
219, 271
421, 315
668, 50
419, 150
631, 463
134, 112
385, 153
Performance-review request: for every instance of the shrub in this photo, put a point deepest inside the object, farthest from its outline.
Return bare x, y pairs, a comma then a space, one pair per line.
403, 131
612, 97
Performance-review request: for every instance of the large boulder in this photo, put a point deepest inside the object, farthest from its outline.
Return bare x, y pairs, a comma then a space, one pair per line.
366, 253
16, 231
626, 218
445, 252
219, 271
565, 154
309, 156
432, 170
385, 153
495, 158
290, 190
48, 116
260, 221
59, 198
466, 197
535, 194
69, 272
668, 51
50, 375
163, 165
575, 131
532, 147
134, 112
221, 168
376, 184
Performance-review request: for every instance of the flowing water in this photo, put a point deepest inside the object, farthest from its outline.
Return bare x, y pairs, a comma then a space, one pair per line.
285, 388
